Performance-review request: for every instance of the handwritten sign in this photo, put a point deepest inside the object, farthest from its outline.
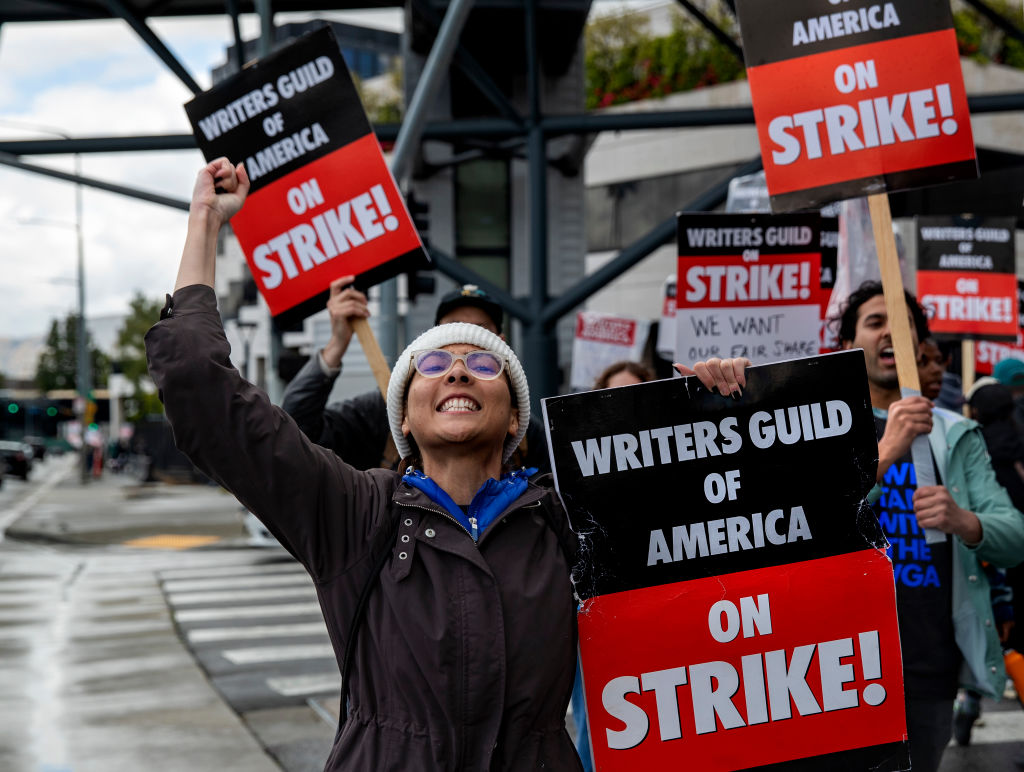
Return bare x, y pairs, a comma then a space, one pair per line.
748, 285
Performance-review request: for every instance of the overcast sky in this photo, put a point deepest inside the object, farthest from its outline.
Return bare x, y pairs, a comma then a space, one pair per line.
99, 79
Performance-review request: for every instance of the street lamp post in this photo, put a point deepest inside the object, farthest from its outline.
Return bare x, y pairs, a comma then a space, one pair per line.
83, 375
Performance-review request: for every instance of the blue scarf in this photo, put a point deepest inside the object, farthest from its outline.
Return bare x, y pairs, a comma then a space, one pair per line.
489, 502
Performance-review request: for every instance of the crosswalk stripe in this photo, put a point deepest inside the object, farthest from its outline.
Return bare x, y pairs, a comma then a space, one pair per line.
258, 654
213, 634
243, 612
313, 683
239, 569
222, 583
233, 596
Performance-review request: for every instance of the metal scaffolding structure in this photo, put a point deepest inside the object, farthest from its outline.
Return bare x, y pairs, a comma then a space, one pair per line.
529, 133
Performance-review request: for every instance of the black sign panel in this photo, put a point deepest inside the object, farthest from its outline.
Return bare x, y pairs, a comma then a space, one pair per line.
668, 482
270, 114
803, 27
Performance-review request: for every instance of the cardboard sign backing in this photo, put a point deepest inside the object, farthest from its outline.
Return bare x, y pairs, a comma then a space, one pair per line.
880, 103
738, 607
323, 202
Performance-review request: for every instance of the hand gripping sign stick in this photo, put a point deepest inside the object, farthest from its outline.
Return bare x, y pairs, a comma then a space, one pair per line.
902, 342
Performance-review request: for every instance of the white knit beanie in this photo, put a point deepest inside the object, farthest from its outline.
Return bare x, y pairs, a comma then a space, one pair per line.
439, 337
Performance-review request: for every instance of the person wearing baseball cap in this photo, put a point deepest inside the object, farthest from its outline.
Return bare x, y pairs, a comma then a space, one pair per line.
470, 296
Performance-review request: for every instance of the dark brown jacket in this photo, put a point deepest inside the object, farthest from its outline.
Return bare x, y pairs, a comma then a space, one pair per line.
465, 660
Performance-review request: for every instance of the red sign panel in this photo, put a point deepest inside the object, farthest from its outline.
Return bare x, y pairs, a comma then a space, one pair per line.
337, 215
752, 674
987, 354
606, 329
982, 305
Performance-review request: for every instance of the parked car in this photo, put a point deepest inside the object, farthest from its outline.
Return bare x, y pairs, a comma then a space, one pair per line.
18, 458
38, 447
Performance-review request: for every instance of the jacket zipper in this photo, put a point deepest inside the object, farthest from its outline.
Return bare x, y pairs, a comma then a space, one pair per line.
446, 516
461, 750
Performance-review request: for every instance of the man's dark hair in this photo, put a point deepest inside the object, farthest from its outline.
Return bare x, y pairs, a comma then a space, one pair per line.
845, 324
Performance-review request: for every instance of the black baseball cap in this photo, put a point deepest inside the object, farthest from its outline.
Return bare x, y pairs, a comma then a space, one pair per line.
470, 295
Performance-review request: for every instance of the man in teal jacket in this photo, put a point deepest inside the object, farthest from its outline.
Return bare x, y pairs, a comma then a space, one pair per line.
947, 634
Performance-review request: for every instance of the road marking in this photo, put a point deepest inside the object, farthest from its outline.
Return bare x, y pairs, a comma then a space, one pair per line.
241, 569
237, 596
243, 612
244, 582
211, 634
171, 541
313, 683
261, 654
14, 513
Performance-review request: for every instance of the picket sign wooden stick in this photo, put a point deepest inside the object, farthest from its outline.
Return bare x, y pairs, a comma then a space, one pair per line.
378, 364
899, 328
892, 285
967, 369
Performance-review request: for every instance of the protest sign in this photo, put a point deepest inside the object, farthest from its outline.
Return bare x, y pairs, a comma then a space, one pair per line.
987, 354
966, 277
602, 340
738, 608
323, 202
748, 285
880, 103
665, 345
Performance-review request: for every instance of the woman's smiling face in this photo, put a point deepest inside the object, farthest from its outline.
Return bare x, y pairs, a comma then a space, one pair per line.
459, 408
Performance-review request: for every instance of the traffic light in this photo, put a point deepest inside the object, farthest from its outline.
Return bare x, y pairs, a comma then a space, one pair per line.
13, 408
419, 211
419, 282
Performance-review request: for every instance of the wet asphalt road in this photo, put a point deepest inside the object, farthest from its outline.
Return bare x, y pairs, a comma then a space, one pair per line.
141, 629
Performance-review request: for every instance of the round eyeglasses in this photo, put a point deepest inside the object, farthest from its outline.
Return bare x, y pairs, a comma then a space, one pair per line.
435, 362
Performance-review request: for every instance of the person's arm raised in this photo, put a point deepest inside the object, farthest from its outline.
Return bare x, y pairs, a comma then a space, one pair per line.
219, 193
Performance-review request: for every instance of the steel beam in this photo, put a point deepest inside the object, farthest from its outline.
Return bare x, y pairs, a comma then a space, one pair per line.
232, 9
540, 350
472, 69
98, 144
6, 159
266, 14
713, 28
434, 72
591, 123
995, 103
662, 233
138, 23
482, 128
